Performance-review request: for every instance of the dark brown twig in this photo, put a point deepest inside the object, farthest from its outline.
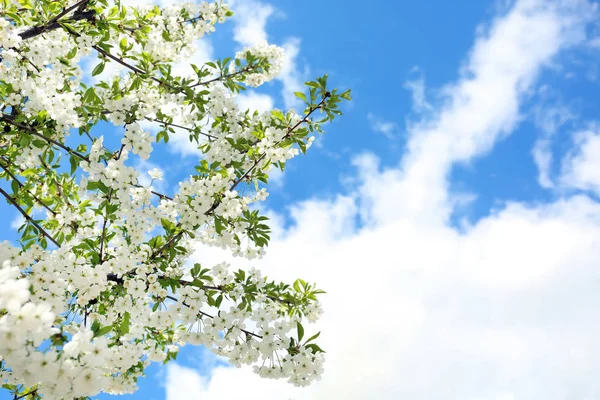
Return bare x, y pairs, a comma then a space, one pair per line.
53, 24
27, 217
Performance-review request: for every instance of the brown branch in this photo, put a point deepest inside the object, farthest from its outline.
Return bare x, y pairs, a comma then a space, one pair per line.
240, 179
33, 392
290, 130
222, 289
167, 244
199, 17
28, 218
10, 120
132, 67
59, 187
108, 198
53, 23
23, 58
181, 127
160, 82
226, 76
162, 196
21, 185
119, 60
211, 317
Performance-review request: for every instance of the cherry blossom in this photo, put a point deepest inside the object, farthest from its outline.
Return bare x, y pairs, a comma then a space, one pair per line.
100, 285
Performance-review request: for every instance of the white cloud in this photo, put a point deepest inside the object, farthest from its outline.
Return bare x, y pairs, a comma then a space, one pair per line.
291, 78
250, 21
276, 178
436, 314
581, 166
17, 222
254, 101
183, 383
480, 108
505, 309
225, 383
548, 118
595, 42
381, 126
417, 88
542, 156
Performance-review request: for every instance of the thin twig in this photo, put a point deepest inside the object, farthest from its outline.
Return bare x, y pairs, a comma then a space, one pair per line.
27, 217
181, 127
53, 23
211, 317
9, 119
241, 178
21, 185
108, 198
58, 185
226, 76
33, 392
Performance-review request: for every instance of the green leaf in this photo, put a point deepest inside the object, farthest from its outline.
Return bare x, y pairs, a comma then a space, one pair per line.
195, 272
300, 331
98, 69
313, 337
219, 225
103, 331
14, 186
72, 53
124, 327
167, 225
315, 349
301, 95
277, 114
123, 45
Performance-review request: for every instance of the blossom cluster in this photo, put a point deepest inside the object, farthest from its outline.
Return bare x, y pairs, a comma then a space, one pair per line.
100, 286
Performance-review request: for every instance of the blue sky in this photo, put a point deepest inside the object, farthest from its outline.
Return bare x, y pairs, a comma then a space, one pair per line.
451, 214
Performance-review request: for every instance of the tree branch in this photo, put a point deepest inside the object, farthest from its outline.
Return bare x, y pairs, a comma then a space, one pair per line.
59, 188
10, 120
33, 392
132, 67
28, 218
290, 130
53, 24
226, 76
211, 317
241, 178
181, 127
108, 198
21, 185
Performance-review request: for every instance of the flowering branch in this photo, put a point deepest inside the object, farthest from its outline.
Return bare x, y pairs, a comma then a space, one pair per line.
212, 317
28, 218
21, 185
59, 187
53, 23
31, 393
109, 272
225, 76
10, 120
108, 197
181, 127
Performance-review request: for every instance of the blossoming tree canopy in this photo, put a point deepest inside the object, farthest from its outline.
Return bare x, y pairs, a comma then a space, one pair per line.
99, 286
